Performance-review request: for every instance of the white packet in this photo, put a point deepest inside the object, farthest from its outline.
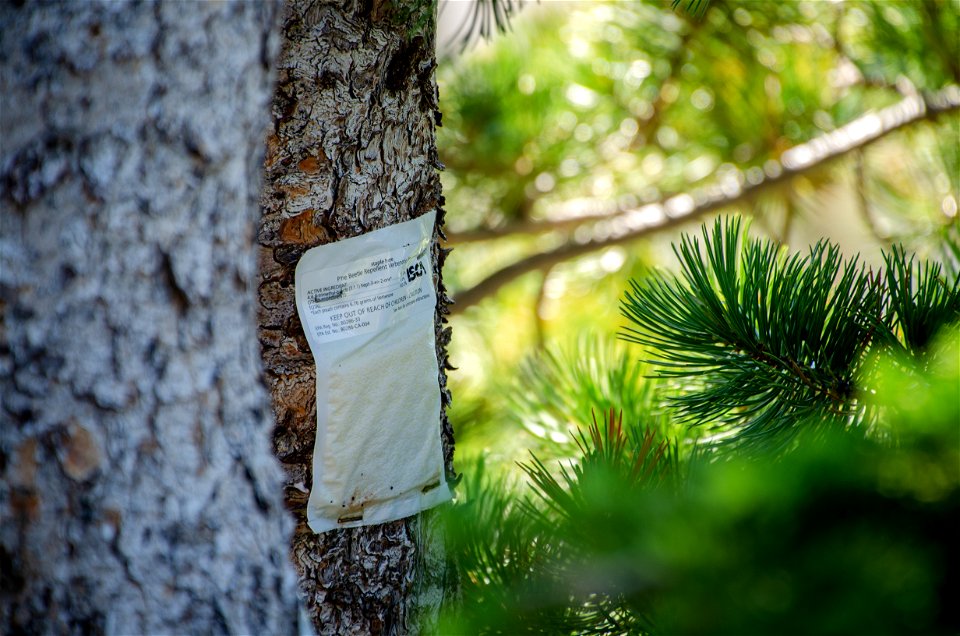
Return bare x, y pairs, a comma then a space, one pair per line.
367, 307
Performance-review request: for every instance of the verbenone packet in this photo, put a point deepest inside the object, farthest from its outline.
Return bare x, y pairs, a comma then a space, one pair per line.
367, 307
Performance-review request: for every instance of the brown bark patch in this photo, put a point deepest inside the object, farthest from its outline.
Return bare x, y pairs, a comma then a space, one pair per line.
25, 504
81, 457
310, 165
301, 229
23, 472
293, 191
272, 148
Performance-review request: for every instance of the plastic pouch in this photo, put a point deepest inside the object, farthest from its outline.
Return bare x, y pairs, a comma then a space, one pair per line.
367, 307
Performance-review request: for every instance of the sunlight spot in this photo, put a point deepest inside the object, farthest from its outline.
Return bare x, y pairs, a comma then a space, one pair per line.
823, 120
671, 22
652, 165
545, 182
667, 137
679, 205
555, 286
583, 133
669, 93
581, 96
698, 168
612, 34
649, 194
865, 127
651, 214
601, 232
771, 85
569, 167
549, 421
578, 47
602, 185
732, 184
641, 108
627, 201
894, 17
567, 121
702, 99
743, 152
772, 168
523, 165
612, 260
845, 74
858, 18
754, 176
536, 429
619, 226
949, 206
639, 70
798, 157
625, 162
527, 84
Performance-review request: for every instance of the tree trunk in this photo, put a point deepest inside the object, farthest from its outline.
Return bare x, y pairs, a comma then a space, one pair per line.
352, 150
138, 492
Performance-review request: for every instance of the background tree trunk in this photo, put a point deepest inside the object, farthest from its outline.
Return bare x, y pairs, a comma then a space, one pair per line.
352, 149
138, 492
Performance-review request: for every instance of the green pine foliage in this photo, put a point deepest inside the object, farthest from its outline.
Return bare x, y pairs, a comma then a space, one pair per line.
563, 385
783, 447
764, 340
634, 457
487, 18
493, 546
849, 528
922, 300
693, 7
525, 562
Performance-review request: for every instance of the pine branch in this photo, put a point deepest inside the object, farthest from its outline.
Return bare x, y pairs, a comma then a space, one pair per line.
694, 7
610, 456
487, 17
634, 457
922, 300
562, 386
628, 225
765, 341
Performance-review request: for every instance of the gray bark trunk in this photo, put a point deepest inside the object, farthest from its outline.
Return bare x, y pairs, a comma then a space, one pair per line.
352, 149
139, 494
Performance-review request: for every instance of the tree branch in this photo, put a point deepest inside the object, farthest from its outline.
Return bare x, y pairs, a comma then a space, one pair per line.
628, 225
597, 210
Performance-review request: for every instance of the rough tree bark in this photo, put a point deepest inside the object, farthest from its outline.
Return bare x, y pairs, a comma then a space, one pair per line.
352, 149
139, 494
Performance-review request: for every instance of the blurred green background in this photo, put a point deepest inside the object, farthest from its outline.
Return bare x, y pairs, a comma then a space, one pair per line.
586, 108
579, 146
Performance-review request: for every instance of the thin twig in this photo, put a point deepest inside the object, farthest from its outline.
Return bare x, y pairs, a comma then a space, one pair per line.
863, 201
629, 225
538, 307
